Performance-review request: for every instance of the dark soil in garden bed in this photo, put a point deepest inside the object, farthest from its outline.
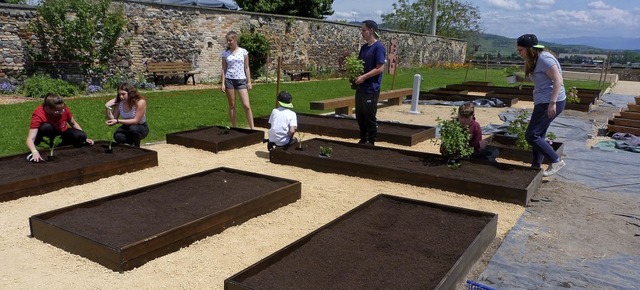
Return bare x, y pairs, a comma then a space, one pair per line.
130, 219
128, 229
386, 243
489, 180
433, 164
216, 138
16, 167
70, 166
347, 127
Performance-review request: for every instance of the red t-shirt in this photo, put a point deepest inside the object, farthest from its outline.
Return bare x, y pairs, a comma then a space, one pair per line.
39, 116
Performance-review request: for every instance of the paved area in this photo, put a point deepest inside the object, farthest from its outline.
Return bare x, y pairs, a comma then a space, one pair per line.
584, 231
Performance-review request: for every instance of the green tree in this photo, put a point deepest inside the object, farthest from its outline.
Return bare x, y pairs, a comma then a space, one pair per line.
258, 47
304, 8
77, 31
455, 18
15, 1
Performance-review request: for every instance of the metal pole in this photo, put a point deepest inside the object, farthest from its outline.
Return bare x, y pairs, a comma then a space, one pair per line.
434, 16
416, 93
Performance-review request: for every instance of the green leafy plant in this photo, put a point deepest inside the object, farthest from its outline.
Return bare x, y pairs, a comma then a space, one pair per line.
258, 46
518, 127
354, 67
572, 96
551, 137
78, 31
39, 85
51, 144
511, 70
454, 139
326, 151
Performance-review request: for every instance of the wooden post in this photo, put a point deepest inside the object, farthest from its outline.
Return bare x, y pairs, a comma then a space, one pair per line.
466, 73
393, 60
486, 66
278, 79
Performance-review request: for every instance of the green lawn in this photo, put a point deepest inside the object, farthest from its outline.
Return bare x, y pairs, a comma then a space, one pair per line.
174, 111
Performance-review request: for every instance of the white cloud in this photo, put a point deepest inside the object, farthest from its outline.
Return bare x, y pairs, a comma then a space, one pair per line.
539, 4
505, 4
598, 5
341, 14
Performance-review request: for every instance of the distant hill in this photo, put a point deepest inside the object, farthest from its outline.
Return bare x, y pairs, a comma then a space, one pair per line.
494, 44
609, 43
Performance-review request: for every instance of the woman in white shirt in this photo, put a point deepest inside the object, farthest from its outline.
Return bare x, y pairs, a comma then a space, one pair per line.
236, 77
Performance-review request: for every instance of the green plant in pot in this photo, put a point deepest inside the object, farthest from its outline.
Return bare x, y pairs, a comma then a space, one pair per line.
572, 96
354, 67
510, 73
518, 127
454, 140
325, 151
551, 137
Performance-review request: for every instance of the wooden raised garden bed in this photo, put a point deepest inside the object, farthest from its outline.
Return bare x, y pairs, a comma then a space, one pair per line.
509, 150
126, 230
216, 138
438, 95
388, 242
346, 127
71, 166
503, 182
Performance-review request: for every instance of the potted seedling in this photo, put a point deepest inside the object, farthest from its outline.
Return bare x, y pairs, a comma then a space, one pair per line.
510, 73
517, 128
51, 143
325, 152
354, 67
454, 140
551, 137
572, 96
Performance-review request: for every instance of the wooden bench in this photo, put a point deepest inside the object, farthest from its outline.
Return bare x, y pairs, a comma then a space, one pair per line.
345, 105
297, 71
160, 70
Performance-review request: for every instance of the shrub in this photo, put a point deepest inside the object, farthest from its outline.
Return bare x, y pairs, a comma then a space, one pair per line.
572, 96
258, 47
454, 138
511, 70
7, 88
80, 31
354, 66
518, 127
38, 86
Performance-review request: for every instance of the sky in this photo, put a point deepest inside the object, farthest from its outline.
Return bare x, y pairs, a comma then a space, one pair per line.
512, 18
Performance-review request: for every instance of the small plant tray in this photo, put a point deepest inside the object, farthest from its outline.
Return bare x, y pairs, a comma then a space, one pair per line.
71, 166
509, 150
346, 127
388, 242
126, 230
490, 180
216, 138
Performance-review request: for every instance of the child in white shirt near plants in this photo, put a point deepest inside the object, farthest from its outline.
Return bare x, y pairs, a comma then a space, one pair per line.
284, 123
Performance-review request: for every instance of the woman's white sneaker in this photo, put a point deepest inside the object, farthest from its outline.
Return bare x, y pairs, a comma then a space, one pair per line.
553, 168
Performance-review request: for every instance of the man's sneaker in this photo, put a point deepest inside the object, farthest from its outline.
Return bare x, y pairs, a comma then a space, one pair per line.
553, 168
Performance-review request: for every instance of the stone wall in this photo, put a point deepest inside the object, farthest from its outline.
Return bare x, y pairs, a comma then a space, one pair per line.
159, 32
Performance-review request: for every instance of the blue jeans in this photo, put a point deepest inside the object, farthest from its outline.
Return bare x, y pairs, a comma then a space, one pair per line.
537, 132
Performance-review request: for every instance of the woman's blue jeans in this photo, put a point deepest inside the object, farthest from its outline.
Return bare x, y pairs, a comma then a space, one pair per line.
537, 132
